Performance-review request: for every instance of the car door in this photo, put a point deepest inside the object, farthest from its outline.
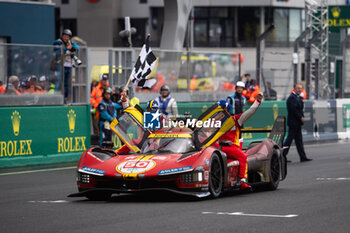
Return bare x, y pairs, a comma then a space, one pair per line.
215, 122
129, 128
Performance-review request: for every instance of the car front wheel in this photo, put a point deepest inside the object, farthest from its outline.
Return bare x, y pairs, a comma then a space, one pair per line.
216, 177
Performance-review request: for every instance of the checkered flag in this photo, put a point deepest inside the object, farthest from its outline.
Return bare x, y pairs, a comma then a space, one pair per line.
143, 67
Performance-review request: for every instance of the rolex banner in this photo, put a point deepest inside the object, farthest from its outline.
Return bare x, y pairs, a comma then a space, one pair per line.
39, 135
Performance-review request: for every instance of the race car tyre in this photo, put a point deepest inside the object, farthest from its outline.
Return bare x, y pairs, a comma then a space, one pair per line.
274, 173
215, 177
98, 196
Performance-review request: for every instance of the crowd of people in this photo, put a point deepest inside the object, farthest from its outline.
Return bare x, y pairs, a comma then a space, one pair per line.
24, 64
28, 86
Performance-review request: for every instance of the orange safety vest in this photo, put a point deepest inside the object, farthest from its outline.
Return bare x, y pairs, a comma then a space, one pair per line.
96, 95
2, 89
35, 89
251, 95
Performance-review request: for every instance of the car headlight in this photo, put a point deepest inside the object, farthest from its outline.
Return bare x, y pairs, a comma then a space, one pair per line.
84, 178
192, 177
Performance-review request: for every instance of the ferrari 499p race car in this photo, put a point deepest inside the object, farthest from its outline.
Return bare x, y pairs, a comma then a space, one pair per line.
178, 159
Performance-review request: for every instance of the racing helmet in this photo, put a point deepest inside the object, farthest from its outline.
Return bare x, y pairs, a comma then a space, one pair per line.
165, 88
240, 84
107, 90
67, 32
152, 105
224, 104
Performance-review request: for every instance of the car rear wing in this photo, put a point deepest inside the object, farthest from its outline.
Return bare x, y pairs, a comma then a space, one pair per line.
277, 133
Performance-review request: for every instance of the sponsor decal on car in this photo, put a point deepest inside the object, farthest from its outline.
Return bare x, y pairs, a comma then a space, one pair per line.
159, 158
94, 171
135, 166
174, 170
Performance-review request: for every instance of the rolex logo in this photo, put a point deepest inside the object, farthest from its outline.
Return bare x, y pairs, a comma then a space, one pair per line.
336, 12
71, 120
16, 119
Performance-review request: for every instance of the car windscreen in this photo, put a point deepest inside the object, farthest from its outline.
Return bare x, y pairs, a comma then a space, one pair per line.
129, 130
168, 144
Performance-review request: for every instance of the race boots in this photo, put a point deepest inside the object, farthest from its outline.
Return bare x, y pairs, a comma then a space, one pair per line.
245, 185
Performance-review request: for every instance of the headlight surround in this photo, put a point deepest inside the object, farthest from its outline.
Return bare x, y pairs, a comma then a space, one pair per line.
84, 178
194, 176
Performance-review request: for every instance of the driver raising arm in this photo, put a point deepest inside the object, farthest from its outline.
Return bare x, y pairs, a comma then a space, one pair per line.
234, 151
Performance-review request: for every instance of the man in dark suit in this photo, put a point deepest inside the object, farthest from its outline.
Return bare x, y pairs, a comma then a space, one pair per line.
295, 106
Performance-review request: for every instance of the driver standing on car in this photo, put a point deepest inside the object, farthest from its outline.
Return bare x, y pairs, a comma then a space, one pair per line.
234, 151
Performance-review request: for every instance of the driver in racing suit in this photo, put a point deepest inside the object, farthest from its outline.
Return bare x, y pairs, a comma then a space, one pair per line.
234, 151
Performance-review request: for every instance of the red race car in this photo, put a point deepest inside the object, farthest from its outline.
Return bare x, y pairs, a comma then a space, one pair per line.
178, 159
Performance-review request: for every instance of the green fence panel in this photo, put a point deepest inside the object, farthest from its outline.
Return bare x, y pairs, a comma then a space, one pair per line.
42, 135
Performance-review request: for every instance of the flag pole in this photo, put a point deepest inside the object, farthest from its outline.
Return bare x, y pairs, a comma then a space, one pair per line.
147, 42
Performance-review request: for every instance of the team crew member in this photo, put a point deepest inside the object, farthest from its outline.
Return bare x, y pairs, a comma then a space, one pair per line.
234, 151
96, 93
95, 99
108, 111
237, 100
167, 104
252, 92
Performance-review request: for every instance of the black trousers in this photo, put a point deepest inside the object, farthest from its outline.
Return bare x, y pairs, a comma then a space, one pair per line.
294, 133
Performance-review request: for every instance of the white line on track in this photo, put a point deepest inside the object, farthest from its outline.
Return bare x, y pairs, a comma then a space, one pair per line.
252, 215
57, 201
337, 179
33, 171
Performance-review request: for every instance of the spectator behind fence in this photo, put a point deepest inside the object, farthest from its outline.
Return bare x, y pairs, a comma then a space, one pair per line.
43, 82
13, 86
246, 80
69, 60
52, 85
160, 82
252, 91
34, 88
272, 93
2, 88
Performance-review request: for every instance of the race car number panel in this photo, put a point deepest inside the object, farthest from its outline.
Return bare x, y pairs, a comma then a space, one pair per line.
135, 166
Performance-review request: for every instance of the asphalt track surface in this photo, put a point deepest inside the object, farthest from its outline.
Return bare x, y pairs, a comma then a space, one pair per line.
315, 197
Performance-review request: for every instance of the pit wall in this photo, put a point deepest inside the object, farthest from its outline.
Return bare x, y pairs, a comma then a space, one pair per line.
43, 135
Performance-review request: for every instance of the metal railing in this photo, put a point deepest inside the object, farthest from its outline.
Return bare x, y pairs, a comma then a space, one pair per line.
29, 75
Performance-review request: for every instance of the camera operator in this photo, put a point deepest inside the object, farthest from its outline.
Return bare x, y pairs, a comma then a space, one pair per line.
69, 60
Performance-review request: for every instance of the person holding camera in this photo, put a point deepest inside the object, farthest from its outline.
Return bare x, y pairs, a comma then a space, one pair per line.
69, 60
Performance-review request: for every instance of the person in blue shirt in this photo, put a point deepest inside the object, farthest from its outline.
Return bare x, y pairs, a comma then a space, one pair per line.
167, 104
237, 100
69, 60
108, 111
